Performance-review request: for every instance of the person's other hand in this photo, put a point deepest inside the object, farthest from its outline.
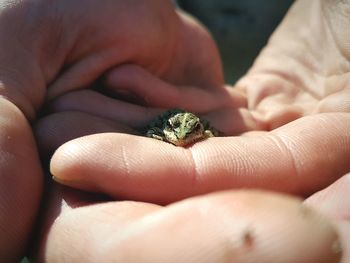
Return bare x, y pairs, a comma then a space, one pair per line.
232, 226
51, 47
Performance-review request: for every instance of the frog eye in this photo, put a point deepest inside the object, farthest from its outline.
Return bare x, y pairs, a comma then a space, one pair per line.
193, 124
172, 123
169, 123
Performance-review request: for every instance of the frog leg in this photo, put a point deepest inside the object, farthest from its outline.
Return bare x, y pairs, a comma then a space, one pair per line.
155, 133
208, 134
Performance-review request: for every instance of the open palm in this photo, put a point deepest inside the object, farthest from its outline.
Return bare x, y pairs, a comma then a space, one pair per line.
291, 111
287, 121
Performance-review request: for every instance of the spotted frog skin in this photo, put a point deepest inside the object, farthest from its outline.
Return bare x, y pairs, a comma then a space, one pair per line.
180, 128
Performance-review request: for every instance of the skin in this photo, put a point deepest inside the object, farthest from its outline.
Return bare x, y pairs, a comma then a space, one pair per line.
48, 39
308, 163
282, 116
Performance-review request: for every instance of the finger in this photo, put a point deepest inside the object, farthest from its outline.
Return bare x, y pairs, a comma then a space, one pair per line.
229, 120
337, 102
333, 202
301, 157
158, 93
20, 182
223, 227
285, 81
94, 103
56, 129
85, 71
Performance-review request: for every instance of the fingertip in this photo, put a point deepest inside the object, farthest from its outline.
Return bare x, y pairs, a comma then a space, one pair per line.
64, 160
262, 226
232, 226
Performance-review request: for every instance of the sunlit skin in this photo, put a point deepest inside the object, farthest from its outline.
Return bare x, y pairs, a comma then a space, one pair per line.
287, 123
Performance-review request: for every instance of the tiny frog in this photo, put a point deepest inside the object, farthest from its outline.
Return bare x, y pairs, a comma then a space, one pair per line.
180, 128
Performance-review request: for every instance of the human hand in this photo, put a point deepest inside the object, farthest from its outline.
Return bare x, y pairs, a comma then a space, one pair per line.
49, 48
293, 140
258, 159
231, 226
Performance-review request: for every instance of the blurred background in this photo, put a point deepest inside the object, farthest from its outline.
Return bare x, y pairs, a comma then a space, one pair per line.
240, 28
